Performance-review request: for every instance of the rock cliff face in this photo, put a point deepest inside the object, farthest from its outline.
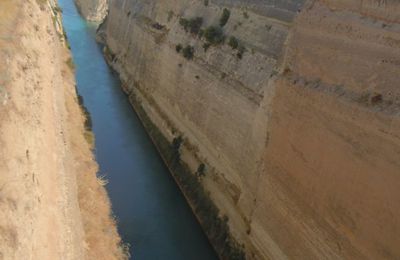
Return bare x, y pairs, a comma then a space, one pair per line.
93, 10
291, 126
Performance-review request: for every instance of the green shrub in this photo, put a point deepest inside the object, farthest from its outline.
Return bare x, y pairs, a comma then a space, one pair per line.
88, 120
184, 23
158, 26
225, 17
214, 35
195, 25
201, 33
191, 25
108, 53
178, 48
201, 170
206, 46
188, 52
233, 42
241, 51
70, 63
176, 143
206, 2
58, 9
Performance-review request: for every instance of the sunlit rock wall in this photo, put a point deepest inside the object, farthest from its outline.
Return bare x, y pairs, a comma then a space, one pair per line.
93, 10
299, 136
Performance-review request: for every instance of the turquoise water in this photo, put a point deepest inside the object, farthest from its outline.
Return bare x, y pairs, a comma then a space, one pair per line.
153, 216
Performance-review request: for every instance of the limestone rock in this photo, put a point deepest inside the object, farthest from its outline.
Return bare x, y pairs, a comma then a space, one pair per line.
300, 153
93, 10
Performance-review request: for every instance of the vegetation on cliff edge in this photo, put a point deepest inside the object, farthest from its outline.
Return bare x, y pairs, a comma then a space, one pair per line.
213, 35
224, 17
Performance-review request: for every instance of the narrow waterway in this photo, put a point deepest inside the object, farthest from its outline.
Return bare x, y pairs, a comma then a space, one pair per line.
152, 214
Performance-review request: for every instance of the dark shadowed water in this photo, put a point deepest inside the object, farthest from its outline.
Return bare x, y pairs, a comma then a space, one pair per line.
153, 216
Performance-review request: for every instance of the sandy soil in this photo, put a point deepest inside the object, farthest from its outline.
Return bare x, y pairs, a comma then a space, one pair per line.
52, 206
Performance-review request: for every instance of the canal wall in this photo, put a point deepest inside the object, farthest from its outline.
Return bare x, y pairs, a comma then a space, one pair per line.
93, 10
284, 123
52, 205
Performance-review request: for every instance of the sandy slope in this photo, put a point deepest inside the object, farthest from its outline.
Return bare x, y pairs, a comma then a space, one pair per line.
48, 188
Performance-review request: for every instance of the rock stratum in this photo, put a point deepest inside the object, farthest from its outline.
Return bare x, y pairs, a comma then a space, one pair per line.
286, 138
93, 10
52, 206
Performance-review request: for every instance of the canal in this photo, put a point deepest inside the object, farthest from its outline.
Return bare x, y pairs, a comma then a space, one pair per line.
152, 214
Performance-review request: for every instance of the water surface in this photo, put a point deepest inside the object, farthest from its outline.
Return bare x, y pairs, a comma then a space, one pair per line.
153, 216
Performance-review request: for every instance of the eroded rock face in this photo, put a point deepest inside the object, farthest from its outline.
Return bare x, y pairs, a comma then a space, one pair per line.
93, 10
334, 146
298, 133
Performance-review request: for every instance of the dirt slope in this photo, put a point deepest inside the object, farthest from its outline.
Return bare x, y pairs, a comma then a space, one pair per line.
51, 204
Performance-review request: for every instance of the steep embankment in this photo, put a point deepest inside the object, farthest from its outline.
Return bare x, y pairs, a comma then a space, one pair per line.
93, 10
290, 127
51, 204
